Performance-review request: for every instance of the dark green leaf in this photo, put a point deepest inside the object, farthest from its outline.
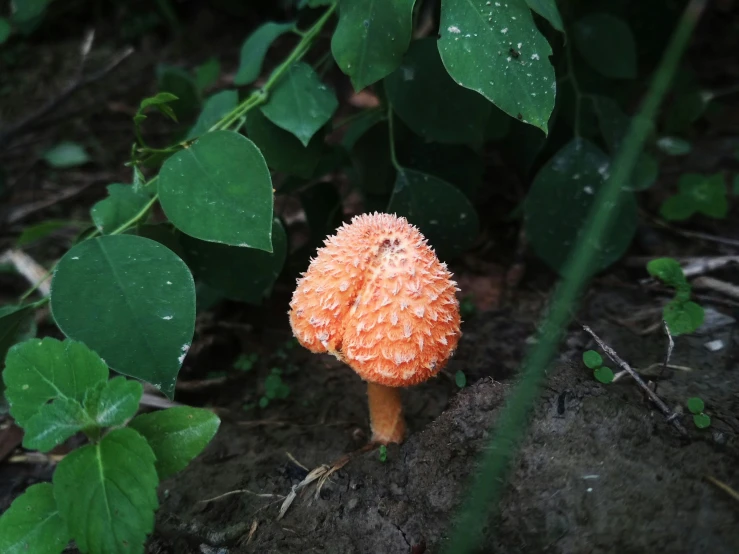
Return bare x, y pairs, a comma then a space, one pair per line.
431, 103
281, 149
206, 74
371, 38
375, 175
677, 208
683, 317
701, 421
163, 233
121, 205
54, 423
5, 30
592, 359
300, 103
27, 10
604, 375
705, 194
607, 44
238, 273
32, 524
132, 300
669, 271
106, 492
498, 51
359, 126
696, 405
40, 370
568, 184
219, 190
497, 125
255, 49
176, 435
673, 146
111, 403
66, 154
645, 173
441, 212
160, 101
214, 109
15, 325
548, 10
44, 229
460, 379
180, 83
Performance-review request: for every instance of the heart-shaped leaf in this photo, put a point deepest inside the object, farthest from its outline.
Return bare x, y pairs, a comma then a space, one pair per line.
607, 44
255, 48
130, 299
214, 109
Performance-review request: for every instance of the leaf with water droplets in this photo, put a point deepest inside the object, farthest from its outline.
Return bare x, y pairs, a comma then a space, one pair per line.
496, 49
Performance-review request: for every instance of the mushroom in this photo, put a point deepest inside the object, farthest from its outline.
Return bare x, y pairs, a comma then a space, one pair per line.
378, 299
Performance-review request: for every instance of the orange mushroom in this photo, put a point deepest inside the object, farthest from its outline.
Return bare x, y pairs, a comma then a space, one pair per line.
377, 297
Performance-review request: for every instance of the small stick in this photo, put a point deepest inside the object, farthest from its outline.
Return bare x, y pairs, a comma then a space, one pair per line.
669, 414
670, 346
723, 486
716, 285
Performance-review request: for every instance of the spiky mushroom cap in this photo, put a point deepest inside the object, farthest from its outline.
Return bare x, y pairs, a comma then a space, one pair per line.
377, 297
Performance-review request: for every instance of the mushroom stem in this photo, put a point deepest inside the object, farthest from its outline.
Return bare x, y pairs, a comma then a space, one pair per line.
386, 414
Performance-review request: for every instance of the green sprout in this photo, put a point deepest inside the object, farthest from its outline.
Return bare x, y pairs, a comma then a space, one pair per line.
274, 388
460, 378
696, 407
681, 314
245, 362
594, 361
704, 194
383, 453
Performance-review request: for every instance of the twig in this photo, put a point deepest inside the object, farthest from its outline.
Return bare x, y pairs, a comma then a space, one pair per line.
669, 414
670, 347
705, 282
696, 234
29, 268
241, 491
24, 211
723, 486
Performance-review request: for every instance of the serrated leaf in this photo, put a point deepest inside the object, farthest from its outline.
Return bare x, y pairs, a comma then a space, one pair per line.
255, 49
121, 205
696, 405
40, 370
32, 524
206, 74
592, 359
214, 109
219, 190
239, 273
54, 423
371, 38
428, 100
181, 84
549, 11
668, 270
14, 327
441, 212
607, 44
176, 435
300, 103
498, 51
132, 300
66, 154
568, 184
111, 403
106, 492
282, 150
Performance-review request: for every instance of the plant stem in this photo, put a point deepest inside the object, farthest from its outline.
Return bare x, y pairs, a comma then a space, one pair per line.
511, 424
138, 217
391, 136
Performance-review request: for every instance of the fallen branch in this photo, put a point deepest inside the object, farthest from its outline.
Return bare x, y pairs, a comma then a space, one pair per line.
671, 416
705, 282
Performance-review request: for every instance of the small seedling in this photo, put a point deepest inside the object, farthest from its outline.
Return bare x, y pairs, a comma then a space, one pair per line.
460, 378
704, 194
383, 453
274, 388
696, 407
595, 362
245, 362
681, 314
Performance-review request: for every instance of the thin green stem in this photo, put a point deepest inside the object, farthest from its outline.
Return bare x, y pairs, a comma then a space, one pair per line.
35, 287
391, 137
143, 212
511, 424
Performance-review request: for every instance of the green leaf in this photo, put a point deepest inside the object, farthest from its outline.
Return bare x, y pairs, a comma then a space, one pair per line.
176, 435
371, 38
239, 273
281, 149
322, 206
705, 194
460, 379
106, 492
568, 184
122, 204
669, 271
607, 44
498, 51
214, 109
111, 403
66, 154
15, 324
207, 73
255, 49
673, 146
26, 10
645, 173
300, 103
683, 317
497, 126
677, 208
54, 423
604, 375
5, 30
32, 524
160, 101
592, 359
548, 10
130, 299
696, 405
40, 370
441, 212
360, 125
181, 84
431, 103
219, 190
42, 230
701, 421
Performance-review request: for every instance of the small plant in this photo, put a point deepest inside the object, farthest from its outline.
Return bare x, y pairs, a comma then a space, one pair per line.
681, 314
460, 378
705, 194
245, 362
103, 494
595, 362
696, 407
383, 453
274, 388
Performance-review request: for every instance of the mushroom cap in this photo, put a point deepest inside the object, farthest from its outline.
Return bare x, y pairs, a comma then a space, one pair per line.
377, 297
